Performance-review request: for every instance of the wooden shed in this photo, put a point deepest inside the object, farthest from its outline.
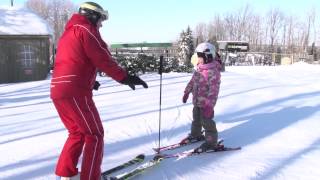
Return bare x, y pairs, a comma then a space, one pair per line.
25, 42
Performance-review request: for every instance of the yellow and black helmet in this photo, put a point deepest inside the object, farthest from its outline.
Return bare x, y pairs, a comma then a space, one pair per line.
93, 11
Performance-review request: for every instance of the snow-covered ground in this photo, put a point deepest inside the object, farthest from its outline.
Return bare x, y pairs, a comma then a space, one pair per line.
272, 112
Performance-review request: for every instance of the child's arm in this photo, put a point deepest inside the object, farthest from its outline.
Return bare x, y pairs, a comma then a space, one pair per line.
187, 90
214, 87
189, 86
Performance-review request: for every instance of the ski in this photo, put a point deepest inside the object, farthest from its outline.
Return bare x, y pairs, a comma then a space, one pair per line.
137, 159
140, 169
173, 146
220, 148
182, 143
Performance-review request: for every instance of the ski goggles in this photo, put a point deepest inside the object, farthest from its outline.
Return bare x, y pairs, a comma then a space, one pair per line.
201, 54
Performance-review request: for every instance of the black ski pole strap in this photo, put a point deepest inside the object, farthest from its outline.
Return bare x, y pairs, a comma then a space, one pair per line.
161, 65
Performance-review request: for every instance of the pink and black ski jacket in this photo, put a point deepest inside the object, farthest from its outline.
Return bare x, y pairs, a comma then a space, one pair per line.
205, 84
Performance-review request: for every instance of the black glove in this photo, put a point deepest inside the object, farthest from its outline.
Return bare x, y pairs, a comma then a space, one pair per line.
96, 85
132, 80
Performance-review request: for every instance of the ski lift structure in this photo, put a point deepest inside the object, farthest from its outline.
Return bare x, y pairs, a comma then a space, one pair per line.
232, 51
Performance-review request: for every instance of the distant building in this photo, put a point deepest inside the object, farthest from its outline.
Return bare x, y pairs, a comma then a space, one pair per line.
25, 43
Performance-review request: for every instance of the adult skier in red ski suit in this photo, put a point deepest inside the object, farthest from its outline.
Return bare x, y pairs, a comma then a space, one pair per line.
81, 51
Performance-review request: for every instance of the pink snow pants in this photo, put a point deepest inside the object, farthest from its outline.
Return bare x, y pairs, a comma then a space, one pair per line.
81, 118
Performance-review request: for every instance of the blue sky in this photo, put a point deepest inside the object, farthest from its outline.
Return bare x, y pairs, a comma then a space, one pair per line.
163, 20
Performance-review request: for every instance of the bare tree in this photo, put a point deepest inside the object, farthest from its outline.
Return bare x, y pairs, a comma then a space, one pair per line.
243, 17
275, 21
314, 25
216, 29
55, 12
230, 26
200, 33
311, 21
254, 32
40, 7
284, 37
307, 34
290, 33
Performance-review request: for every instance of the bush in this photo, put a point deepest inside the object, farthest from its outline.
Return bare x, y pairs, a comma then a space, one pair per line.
143, 63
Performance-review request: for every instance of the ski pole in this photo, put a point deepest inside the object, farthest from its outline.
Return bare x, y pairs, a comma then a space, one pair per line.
160, 72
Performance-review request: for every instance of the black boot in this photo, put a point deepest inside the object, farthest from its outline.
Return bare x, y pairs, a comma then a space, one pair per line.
191, 139
204, 147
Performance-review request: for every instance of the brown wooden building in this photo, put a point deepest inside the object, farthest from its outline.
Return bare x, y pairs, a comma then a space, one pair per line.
25, 42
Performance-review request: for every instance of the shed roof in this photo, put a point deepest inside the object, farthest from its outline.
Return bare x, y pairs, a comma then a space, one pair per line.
22, 21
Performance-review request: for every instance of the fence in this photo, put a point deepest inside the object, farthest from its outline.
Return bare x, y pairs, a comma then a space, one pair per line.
264, 58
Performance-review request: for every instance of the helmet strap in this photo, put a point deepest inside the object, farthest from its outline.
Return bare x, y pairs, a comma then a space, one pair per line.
207, 58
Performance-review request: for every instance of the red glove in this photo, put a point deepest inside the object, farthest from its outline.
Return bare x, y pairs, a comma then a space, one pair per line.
185, 97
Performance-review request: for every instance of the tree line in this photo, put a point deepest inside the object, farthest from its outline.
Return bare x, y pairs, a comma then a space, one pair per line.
273, 32
275, 28
263, 32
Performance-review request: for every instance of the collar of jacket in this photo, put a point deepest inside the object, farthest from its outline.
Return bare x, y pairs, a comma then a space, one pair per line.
206, 66
79, 19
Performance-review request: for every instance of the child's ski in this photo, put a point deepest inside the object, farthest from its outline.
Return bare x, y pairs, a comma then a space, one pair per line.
173, 146
137, 159
182, 143
192, 152
140, 169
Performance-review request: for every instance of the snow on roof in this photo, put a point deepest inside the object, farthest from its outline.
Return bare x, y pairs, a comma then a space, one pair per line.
22, 21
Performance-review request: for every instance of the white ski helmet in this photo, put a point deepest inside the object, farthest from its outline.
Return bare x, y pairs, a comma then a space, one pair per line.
205, 50
93, 11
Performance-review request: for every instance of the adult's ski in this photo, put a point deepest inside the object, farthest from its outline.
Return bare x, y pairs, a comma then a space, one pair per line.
140, 169
137, 159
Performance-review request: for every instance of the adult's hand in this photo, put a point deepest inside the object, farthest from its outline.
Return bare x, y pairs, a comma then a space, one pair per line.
132, 80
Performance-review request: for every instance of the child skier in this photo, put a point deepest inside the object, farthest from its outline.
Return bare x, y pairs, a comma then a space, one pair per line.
204, 86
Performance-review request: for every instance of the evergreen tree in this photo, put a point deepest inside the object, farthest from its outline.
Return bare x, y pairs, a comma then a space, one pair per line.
190, 44
185, 47
182, 48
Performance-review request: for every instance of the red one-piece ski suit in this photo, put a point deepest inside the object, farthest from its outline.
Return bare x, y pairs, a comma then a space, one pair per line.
81, 51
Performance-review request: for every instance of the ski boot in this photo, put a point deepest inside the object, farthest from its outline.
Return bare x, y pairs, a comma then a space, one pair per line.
207, 147
204, 147
192, 139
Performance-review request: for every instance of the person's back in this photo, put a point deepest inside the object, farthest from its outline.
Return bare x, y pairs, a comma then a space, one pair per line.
73, 72
81, 51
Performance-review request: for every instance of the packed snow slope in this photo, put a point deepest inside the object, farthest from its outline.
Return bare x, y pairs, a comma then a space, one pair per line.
273, 112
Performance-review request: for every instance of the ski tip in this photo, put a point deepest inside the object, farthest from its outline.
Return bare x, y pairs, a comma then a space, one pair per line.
156, 150
141, 156
158, 157
232, 148
220, 141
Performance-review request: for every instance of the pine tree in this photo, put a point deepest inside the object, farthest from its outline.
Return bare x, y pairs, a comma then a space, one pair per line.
182, 52
190, 44
185, 47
